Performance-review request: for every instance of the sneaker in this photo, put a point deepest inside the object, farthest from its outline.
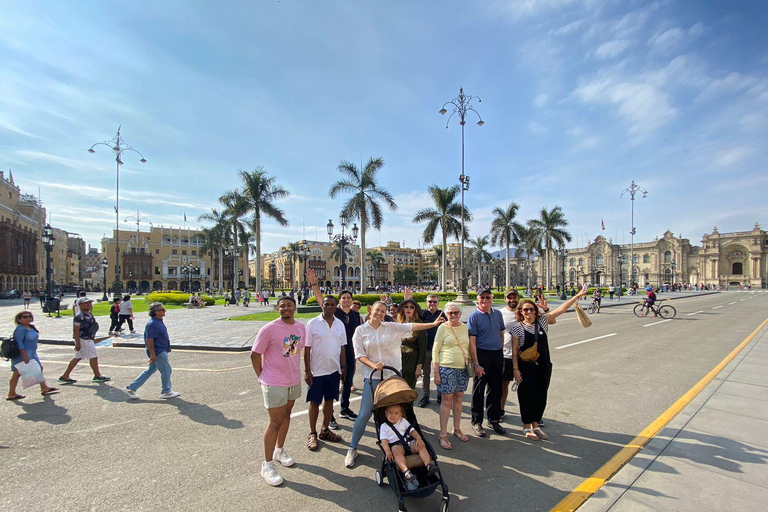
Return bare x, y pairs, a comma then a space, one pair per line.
281, 456
349, 460
423, 402
431, 469
270, 474
101, 378
332, 424
170, 394
348, 414
479, 430
66, 380
409, 477
411, 486
131, 393
498, 428
133, 332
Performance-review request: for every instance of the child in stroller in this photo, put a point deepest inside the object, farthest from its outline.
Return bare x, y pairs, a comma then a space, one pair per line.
399, 439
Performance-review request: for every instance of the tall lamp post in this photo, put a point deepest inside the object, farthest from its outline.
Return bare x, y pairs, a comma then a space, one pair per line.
118, 148
272, 269
462, 105
632, 190
672, 267
564, 255
343, 240
621, 260
371, 270
48, 240
104, 267
304, 254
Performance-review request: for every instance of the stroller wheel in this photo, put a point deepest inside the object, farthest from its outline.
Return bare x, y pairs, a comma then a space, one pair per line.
379, 478
444, 506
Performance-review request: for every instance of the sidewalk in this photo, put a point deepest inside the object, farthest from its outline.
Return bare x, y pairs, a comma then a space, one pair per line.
711, 456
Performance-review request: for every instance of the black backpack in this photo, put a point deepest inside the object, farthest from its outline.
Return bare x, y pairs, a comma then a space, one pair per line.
9, 349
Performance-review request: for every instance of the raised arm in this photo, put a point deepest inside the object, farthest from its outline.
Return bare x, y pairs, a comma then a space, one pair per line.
312, 278
424, 326
565, 305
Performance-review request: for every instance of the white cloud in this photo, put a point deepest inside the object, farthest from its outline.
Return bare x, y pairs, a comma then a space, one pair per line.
732, 156
540, 100
537, 128
671, 38
567, 29
612, 49
732, 83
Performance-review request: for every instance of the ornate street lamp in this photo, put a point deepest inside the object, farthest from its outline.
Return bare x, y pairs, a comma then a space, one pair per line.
564, 255
304, 253
632, 190
343, 240
104, 267
672, 267
462, 105
621, 260
371, 270
48, 240
272, 269
118, 148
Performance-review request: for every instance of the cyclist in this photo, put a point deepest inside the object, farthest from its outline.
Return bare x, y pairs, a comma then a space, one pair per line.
596, 297
650, 299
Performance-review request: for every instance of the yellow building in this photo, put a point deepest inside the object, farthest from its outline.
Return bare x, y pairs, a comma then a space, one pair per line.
734, 259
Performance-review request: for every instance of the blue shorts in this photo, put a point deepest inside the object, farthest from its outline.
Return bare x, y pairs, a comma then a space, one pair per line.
325, 388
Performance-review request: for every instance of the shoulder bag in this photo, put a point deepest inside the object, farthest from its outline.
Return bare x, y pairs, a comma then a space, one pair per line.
9, 349
468, 366
531, 354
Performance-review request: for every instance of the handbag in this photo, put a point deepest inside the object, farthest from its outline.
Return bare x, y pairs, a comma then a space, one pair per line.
31, 373
468, 366
582, 317
531, 354
9, 349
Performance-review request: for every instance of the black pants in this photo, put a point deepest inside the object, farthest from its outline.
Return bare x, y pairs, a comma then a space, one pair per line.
126, 318
488, 387
115, 325
346, 387
532, 392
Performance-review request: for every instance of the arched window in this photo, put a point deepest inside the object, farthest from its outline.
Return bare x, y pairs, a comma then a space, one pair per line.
738, 269
667, 256
166, 240
184, 240
635, 258
572, 276
600, 260
646, 258
581, 261
573, 262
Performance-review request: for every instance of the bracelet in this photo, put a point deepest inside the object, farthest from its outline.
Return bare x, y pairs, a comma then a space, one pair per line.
477, 366
546, 310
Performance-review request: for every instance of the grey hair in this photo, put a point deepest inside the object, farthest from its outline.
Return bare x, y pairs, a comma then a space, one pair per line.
154, 308
452, 305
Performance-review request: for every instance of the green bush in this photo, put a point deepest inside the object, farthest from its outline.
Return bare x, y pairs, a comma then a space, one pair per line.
369, 298
176, 298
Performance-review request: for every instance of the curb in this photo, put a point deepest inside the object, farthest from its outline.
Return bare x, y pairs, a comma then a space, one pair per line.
207, 348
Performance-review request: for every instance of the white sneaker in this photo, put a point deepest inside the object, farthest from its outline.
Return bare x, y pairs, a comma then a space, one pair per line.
270, 474
131, 393
281, 456
170, 394
349, 460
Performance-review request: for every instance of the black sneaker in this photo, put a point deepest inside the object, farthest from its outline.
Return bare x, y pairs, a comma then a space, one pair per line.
332, 424
66, 380
348, 414
431, 469
498, 428
424, 401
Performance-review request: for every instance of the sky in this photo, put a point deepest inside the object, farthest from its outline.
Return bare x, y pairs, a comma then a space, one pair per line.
578, 98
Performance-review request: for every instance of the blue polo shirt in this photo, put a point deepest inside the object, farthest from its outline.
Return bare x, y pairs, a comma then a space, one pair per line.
487, 328
156, 330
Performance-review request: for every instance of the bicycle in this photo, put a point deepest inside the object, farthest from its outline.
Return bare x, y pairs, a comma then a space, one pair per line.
592, 307
664, 311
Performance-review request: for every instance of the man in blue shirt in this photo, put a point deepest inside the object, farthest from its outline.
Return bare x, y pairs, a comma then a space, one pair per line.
158, 347
486, 340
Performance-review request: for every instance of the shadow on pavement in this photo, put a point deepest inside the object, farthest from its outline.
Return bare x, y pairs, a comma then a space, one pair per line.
201, 413
47, 411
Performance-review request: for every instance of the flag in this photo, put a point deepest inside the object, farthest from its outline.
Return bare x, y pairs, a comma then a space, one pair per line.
185, 218
601, 223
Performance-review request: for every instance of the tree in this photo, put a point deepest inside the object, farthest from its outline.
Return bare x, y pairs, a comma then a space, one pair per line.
479, 254
504, 232
530, 243
336, 251
215, 239
294, 251
363, 205
405, 276
446, 215
437, 258
258, 195
550, 223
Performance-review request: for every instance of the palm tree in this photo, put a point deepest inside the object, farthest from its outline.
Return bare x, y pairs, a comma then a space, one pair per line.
504, 231
215, 238
530, 243
258, 195
366, 193
294, 250
446, 214
233, 209
376, 258
479, 254
438, 259
336, 251
550, 223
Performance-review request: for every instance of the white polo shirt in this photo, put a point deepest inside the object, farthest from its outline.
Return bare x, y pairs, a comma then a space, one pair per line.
326, 342
381, 345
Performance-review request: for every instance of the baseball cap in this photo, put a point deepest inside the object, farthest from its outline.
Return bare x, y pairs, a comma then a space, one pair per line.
485, 290
512, 291
83, 300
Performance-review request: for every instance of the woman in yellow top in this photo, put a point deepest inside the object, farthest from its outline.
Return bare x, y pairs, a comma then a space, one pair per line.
449, 355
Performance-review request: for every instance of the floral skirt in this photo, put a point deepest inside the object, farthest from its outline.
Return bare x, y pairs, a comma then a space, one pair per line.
452, 380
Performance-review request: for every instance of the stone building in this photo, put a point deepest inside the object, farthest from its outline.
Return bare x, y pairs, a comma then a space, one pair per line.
734, 259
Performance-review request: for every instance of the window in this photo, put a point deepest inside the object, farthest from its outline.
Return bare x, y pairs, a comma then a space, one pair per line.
194, 253
171, 270
635, 258
573, 262
157, 251
667, 256
600, 260
738, 269
581, 261
174, 251
646, 258
157, 270
184, 252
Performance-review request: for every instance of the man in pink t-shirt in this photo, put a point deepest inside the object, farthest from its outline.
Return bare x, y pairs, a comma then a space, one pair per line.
276, 358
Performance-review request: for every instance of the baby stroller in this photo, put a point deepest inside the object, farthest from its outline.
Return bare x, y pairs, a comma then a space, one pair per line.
395, 390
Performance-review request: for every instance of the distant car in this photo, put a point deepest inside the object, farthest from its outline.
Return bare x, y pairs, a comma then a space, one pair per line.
13, 294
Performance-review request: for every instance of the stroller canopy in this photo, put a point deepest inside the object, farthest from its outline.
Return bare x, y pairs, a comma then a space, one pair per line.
393, 390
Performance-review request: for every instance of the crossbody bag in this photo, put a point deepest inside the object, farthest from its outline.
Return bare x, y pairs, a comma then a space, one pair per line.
467, 361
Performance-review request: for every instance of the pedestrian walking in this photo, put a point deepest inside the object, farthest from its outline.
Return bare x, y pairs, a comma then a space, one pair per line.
126, 313
276, 359
114, 316
27, 298
25, 337
158, 347
84, 331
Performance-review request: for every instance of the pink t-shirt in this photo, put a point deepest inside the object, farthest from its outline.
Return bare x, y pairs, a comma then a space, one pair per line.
280, 345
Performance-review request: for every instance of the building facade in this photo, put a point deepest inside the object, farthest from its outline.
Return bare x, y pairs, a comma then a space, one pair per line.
734, 259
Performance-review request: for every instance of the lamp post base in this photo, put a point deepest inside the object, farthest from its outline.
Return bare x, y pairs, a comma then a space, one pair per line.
117, 289
463, 299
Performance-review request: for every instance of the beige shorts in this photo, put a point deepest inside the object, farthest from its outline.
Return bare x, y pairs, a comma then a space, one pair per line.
278, 396
87, 349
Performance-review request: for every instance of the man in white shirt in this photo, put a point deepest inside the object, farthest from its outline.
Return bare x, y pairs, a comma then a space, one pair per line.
325, 364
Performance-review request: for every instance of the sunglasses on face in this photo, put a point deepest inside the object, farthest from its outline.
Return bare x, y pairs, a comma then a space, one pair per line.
408, 307
454, 313
26, 316
431, 302
527, 310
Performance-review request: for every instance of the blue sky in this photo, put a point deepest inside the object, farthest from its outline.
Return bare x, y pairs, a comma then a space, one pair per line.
579, 97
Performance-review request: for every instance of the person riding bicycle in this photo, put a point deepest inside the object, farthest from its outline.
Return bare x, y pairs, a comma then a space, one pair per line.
650, 299
596, 298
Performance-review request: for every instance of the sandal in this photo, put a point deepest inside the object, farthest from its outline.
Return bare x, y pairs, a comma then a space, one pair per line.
331, 437
529, 434
49, 391
445, 444
15, 397
312, 442
540, 434
461, 437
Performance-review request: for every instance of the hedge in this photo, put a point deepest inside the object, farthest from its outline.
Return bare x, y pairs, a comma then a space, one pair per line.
176, 298
369, 298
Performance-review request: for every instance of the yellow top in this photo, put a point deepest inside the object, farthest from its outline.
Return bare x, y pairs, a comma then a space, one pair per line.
446, 348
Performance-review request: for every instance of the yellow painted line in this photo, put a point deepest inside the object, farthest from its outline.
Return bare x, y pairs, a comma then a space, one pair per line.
175, 368
588, 487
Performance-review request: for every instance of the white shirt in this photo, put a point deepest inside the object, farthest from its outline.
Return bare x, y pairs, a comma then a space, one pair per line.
381, 345
386, 432
126, 308
509, 321
326, 342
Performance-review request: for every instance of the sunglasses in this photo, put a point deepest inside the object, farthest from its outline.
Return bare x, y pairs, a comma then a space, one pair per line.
454, 313
409, 307
432, 302
526, 310
25, 316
